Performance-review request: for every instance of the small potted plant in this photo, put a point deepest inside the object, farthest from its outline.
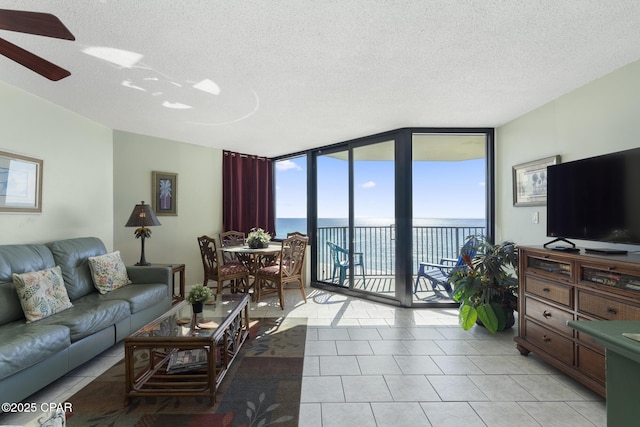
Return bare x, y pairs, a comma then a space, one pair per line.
197, 297
487, 288
258, 238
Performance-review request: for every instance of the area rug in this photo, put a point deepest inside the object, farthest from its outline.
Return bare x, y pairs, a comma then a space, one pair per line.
261, 388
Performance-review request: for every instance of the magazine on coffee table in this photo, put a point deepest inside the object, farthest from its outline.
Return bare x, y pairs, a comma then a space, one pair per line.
187, 360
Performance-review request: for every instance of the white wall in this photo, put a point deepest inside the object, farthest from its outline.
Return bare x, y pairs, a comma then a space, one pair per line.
199, 193
77, 193
598, 118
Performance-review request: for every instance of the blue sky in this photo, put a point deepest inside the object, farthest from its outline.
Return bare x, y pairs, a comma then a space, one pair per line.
441, 189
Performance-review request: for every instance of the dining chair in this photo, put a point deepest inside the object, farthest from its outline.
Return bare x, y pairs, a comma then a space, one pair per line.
287, 269
215, 269
438, 274
341, 264
231, 238
296, 233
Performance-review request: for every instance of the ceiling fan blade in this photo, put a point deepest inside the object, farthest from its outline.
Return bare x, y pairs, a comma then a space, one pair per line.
33, 62
42, 24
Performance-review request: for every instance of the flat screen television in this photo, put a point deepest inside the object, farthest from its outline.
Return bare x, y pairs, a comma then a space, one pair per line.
596, 198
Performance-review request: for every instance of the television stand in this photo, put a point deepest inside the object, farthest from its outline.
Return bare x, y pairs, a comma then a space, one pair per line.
606, 251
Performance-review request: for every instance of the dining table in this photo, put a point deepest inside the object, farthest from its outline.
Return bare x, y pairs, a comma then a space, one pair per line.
254, 258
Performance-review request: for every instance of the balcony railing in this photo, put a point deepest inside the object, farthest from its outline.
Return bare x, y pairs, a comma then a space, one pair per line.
377, 245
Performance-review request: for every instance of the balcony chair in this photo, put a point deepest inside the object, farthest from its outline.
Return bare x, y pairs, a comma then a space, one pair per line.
217, 270
439, 274
287, 269
340, 257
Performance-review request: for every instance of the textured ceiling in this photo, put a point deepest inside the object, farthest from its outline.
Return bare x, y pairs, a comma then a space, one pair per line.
272, 77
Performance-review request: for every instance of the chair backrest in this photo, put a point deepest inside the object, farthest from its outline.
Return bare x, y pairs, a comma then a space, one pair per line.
337, 252
469, 249
209, 253
296, 233
232, 238
292, 256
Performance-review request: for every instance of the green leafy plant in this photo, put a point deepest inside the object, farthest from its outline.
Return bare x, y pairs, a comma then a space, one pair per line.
199, 293
487, 289
257, 237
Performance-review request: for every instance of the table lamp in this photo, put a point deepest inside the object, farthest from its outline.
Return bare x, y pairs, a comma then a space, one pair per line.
142, 217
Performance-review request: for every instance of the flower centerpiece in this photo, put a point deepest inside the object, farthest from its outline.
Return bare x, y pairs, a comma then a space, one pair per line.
258, 238
197, 297
487, 288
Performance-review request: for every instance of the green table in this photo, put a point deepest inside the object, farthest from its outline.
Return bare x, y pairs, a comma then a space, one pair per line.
622, 364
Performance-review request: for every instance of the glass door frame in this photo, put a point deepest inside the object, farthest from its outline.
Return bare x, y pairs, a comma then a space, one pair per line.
348, 147
403, 206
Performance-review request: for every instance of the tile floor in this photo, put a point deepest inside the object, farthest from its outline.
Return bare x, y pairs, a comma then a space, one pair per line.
370, 364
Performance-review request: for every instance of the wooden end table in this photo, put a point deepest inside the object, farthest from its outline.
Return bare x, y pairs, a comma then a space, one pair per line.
179, 293
225, 327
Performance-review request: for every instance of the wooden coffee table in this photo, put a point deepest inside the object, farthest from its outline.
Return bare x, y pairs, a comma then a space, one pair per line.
224, 328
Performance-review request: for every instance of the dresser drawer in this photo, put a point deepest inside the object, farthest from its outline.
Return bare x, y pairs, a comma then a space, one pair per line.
591, 363
606, 308
552, 291
588, 340
549, 316
551, 342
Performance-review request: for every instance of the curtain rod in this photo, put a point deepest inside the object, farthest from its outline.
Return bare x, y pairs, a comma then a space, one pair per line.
227, 153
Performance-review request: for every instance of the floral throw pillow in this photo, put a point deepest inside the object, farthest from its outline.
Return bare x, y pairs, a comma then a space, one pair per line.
108, 271
42, 293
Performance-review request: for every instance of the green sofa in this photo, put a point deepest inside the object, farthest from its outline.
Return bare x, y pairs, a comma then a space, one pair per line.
32, 355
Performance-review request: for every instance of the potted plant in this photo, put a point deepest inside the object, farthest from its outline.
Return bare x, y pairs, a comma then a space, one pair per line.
258, 238
487, 289
197, 297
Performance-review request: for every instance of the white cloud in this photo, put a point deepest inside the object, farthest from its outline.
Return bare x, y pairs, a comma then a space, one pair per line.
368, 184
482, 184
287, 165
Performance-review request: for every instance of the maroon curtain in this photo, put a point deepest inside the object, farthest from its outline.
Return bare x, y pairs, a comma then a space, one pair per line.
247, 193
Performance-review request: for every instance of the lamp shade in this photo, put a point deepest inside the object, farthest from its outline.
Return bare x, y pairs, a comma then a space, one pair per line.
142, 216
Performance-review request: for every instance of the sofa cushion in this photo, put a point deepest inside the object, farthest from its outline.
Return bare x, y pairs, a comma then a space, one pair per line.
139, 296
72, 256
18, 259
108, 272
10, 308
90, 314
24, 344
42, 293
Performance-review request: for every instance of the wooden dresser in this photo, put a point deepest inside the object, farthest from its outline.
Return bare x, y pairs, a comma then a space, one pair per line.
555, 287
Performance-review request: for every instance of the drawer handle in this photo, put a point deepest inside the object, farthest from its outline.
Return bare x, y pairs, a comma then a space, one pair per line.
546, 314
611, 268
546, 339
611, 310
546, 290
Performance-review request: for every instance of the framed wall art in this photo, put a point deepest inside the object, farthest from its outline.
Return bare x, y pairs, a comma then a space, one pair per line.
165, 193
530, 182
20, 183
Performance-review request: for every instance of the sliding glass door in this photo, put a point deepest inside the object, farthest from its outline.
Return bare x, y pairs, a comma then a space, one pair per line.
373, 184
449, 204
332, 206
356, 218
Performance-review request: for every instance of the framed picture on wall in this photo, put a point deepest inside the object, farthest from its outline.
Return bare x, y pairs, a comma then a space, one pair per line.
20, 183
530, 182
165, 193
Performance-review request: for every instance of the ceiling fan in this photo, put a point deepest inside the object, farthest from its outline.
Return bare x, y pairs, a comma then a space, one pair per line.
41, 24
